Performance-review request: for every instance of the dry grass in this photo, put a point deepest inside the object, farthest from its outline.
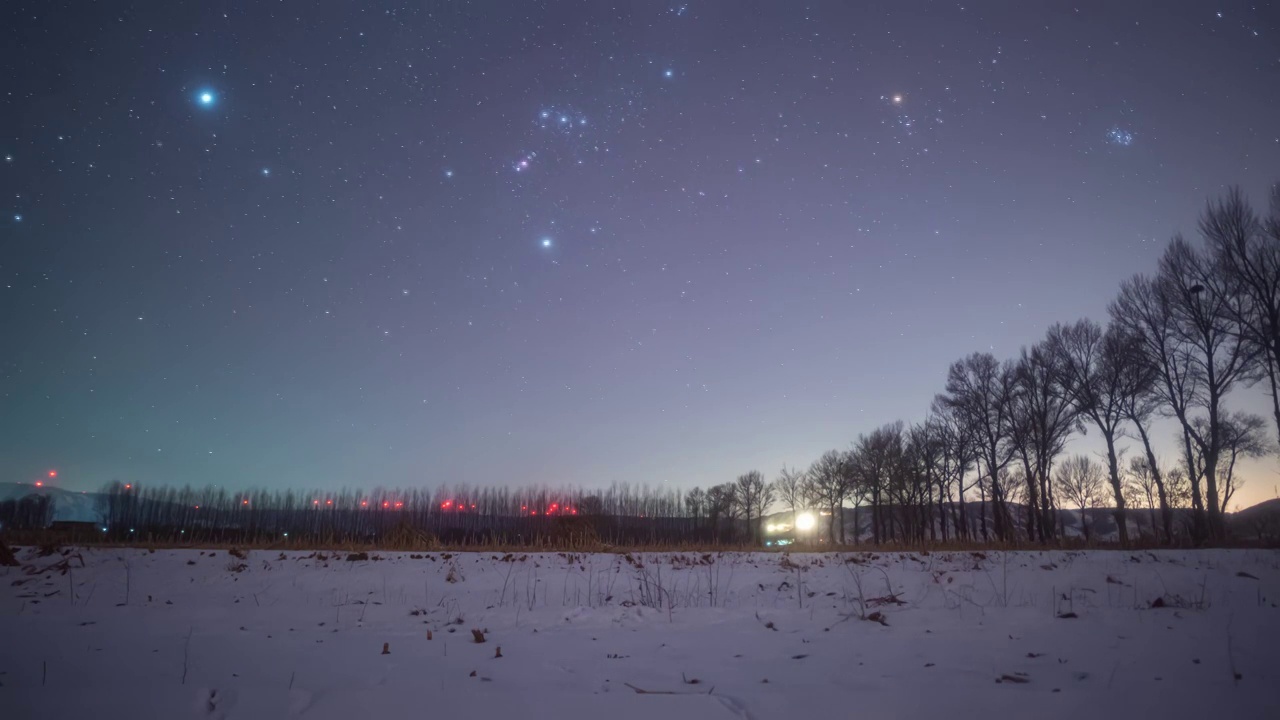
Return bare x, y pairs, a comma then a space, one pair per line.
410, 541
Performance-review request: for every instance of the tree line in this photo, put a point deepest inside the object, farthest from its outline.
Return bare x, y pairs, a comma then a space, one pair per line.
1176, 344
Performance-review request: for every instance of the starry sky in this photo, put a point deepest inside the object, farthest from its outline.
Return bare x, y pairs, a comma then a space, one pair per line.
292, 244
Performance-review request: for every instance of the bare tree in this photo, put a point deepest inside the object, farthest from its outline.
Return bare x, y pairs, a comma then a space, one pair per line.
755, 496
1246, 254
978, 391
925, 452
825, 486
955, 462
695, 503
1243, 436
1079, 480
722, 504
1141, 482
872, 464
1100, 377
789, 489
1211, 340
1140, 409
1144, 308
1043, 418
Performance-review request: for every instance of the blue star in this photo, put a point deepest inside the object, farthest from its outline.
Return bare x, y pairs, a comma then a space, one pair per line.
448, 173
546, 242
668, 73
206, 98
266, 171
17, 218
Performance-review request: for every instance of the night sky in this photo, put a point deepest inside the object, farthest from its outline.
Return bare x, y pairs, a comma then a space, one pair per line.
292, 244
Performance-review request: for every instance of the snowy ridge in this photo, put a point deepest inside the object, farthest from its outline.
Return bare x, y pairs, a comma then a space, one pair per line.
68, 506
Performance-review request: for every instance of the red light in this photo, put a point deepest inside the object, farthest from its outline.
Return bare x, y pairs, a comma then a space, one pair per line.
128, 486
39, 483
315, 502
574, 511
53, 473
446, 503
244, 502
524, 507
533, 512
328, 502
473, 507
364, 503
399, 504
197, 507
386, 504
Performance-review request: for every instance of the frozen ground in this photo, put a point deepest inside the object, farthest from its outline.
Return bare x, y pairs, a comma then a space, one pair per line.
112, 633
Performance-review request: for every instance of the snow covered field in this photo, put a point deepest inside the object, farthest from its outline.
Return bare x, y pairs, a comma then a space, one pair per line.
111, 633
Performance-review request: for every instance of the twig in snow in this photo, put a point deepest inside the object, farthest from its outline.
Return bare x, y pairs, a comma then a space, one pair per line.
654, 692
186, 652
1231, 660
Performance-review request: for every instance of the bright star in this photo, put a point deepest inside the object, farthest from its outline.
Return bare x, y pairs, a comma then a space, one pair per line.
266, 171
668, 73
17, 218
448, 173
546, 242
206, 98
897, 99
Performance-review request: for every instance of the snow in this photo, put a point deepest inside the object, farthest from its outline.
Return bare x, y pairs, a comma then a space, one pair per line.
127, 633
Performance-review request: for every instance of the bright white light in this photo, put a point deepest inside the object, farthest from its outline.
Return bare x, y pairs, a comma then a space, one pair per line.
805, 521
546, 242
206, 98
897, 99
668, 73
770, 528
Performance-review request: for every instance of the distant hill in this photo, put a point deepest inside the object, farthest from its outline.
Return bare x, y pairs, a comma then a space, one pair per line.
68, 506
1259, 522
